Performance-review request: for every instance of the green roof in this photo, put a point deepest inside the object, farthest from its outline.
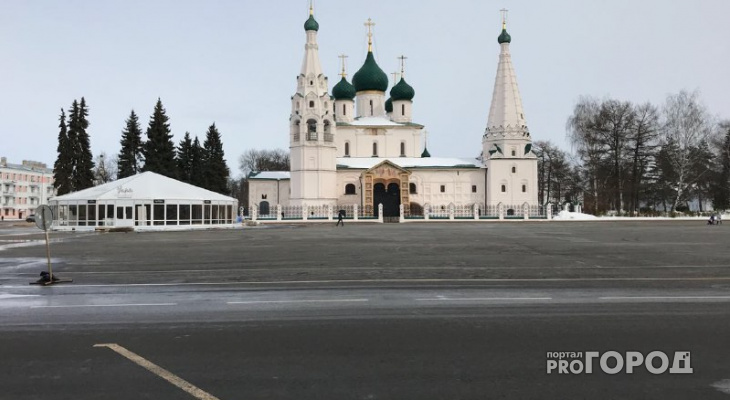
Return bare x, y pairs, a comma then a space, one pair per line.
504, 37
311, 24
389, 105
343, 90
402, 91
370, 76
425, 153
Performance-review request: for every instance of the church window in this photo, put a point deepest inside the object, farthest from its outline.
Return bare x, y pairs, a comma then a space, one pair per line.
311, 129
524, 188
402, 149
347, 149
371, 108
504, 188
473, 188
402, 109
443, 188
514, 170
328, 137
344, 110
350, 189
412, 188
311, 83
263, 196
375, 149
514, 153
311, 104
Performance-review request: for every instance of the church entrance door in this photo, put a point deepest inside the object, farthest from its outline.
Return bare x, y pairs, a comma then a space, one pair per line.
389, 197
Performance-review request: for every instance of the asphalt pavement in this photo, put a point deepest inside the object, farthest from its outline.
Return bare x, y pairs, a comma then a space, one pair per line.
434, 311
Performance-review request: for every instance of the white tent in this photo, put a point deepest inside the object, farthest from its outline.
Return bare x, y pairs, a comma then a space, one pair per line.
143, 200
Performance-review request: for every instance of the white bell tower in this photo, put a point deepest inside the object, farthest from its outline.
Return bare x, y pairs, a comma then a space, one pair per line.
312, 130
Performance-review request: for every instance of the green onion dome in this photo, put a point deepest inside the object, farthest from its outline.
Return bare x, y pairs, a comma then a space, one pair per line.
402, 91
389, 105
311, 24
370, 76
343, 90
425, 153
504, 37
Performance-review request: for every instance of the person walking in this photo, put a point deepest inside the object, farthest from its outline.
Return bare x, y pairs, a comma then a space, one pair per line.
340, 218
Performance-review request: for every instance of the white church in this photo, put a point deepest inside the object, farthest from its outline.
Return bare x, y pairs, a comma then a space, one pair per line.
360, 145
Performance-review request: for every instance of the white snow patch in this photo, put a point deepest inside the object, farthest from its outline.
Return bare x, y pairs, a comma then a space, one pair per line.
567, 215
4, 296
723, 386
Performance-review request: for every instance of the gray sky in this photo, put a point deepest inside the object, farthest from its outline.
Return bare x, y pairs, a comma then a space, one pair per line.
235, 63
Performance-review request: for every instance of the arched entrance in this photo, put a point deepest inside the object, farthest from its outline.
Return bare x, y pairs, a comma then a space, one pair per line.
389, 197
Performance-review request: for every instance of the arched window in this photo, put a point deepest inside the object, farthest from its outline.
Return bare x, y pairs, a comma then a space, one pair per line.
328, 137
344, 110
514, 152
504, 188
524, 188
311, 129
375, 149
311, 103
347, 149
402, 109
514, 169
350, 189
402, 149
412, 188
371, 108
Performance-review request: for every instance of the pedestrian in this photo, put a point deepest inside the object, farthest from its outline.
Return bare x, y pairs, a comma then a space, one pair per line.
340, 218
711, 221
718, 220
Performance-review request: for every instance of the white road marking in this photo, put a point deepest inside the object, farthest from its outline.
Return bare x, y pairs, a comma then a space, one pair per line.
107, 305
159, 371
485, 299
15, 296
665, 298
723, 386
298, 301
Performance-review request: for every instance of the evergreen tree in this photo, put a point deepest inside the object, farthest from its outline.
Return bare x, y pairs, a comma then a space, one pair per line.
185, 159
84, 165
63, 167
159, 150
73, 143
721, 190
215, 168
197, 173
130, 156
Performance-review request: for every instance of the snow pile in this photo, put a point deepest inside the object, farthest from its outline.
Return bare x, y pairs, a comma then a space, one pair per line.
566, 215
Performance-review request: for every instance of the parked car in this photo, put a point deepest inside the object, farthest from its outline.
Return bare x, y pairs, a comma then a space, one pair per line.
31, 218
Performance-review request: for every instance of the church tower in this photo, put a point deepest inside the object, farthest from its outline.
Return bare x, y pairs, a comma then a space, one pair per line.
370, 83
506, 145
312, 130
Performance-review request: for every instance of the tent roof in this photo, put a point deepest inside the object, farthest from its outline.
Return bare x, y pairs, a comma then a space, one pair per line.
147, 185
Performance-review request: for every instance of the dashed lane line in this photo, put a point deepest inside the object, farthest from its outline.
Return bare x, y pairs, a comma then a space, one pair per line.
188, 387
486, 299
107, 305
299, 301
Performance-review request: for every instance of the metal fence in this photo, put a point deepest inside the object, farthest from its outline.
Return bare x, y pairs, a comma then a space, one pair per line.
367, 212
488, 212
464, 211
439, 212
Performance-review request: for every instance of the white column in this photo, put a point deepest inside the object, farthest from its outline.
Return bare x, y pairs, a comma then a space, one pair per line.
254, 213
329, 212
476, 211
549, 212
402, 215
304, 212
501, 210
356, 211
426, 212
278, 212
380, 213
451, 212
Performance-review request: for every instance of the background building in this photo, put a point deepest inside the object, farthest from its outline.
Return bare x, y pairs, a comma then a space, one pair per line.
23, 187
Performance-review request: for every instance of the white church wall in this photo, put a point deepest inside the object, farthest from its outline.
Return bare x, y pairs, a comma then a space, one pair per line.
501, 174
388, 140
458, 186
273, 191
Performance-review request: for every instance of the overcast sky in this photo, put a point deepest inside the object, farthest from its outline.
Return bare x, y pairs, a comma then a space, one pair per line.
235, 63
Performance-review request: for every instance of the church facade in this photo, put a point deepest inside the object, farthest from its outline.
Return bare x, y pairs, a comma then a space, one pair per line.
360, 146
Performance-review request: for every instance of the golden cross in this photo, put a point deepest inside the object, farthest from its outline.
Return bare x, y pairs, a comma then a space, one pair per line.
370, 25
311, 7
504, 12
343, 57
402, 59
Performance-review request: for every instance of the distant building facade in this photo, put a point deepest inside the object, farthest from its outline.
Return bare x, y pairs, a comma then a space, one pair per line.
360, 145
23, 187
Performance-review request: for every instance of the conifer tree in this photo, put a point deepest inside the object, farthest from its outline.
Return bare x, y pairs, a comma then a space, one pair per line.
130, 156
215, 168
185, 158
84, 165
159, 150
721, 197
63, 167
197, 173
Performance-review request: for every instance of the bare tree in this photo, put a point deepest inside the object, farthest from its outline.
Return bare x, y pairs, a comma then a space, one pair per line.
687, 124
105, 169
254, 160
643, 142
586, 141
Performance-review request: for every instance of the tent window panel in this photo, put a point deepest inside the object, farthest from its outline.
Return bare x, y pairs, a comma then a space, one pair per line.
148, 213
102, 215
129, 212
159, 214
184, 214
171, 214
91, 215
197, 213
230, 214
214, 212
206, 214
110, 211
82, 215
120, 212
